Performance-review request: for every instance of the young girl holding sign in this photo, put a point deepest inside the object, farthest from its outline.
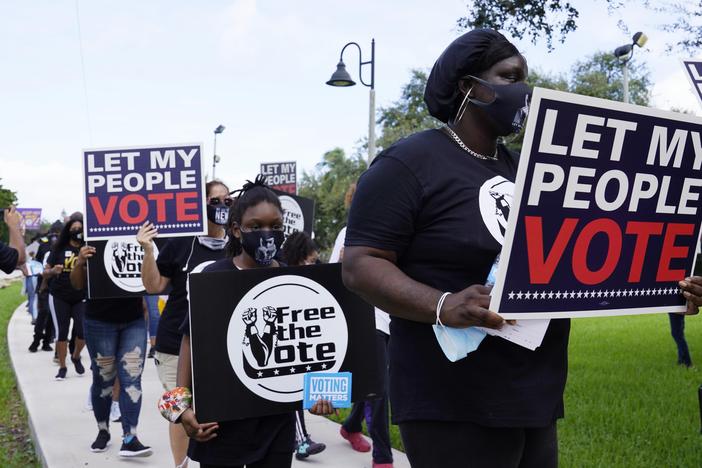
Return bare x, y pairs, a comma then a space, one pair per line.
256, 217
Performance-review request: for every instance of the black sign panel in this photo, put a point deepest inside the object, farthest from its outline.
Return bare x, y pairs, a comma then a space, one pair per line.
298, 213
115, 269
256, 333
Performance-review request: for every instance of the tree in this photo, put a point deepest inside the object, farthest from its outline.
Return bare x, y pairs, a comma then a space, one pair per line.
7, 198
539, 19
598, 76
327, 186
408, 114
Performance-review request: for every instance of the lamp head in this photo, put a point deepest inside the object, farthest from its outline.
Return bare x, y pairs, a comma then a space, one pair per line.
623, 52
217, 159
219, 129
640, 39
341, 77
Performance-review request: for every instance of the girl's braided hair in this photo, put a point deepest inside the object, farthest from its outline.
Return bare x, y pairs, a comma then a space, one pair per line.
251, 194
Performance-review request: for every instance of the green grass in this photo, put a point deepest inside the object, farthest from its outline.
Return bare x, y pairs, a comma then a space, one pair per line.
627, 403
16, 449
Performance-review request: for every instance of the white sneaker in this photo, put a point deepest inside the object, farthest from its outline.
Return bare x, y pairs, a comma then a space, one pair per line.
115, 413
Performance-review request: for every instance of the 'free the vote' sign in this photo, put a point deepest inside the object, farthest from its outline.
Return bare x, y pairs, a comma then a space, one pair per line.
124, 187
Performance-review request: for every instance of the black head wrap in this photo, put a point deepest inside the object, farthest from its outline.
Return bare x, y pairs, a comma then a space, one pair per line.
470, 54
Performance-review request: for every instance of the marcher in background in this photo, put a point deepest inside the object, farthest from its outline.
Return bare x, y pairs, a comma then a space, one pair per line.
178, 258
256, 219
677, 331
376, 411
44, 326
12, 256
299, 249
32, 271
67, 304
115, 332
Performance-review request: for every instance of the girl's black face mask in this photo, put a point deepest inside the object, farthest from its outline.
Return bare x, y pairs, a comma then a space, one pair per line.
510, 107
77, 236
262, 245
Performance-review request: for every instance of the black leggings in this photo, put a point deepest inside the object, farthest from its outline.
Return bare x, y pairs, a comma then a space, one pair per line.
272, 460
431, 444
62, 313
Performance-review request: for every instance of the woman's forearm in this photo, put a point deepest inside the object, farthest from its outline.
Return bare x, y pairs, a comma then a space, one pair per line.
153, 282
374, 276
184, 377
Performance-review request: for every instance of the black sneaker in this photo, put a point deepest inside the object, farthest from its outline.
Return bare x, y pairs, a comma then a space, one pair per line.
80, 370
34, 347
46, 347
134, 449
101, 441
308, 447
61, 373
151, 354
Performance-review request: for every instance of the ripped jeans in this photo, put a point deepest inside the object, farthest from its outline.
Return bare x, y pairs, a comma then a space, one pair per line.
116, 349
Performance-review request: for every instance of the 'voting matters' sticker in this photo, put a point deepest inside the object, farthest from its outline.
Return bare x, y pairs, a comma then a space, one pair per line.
332, 386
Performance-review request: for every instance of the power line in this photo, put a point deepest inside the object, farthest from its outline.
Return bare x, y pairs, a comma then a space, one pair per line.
82, 68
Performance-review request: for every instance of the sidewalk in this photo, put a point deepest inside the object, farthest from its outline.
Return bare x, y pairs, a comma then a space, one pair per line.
63, 429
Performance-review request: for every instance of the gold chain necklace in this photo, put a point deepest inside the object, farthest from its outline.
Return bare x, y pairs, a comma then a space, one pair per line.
460, 143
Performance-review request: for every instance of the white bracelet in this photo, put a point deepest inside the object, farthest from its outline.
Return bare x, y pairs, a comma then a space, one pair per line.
439, 305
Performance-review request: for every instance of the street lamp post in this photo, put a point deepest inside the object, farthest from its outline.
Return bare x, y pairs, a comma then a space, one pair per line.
624, 54
215, 158
341, 78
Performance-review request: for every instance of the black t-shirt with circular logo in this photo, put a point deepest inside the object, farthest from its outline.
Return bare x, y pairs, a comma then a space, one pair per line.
246, 440
179, 257
60, 286
444, 213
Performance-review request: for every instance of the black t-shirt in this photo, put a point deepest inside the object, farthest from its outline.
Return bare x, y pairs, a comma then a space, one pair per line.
179, 257
438, 208
60, 286
114, 310
246, 440
8, 258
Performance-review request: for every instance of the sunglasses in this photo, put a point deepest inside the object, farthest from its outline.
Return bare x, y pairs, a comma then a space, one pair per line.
216, 201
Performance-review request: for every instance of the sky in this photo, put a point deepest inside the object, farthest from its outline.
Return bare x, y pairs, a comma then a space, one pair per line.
82, 74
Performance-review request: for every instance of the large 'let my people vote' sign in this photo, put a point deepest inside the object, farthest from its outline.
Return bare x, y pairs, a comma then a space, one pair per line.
124, 187
606, 213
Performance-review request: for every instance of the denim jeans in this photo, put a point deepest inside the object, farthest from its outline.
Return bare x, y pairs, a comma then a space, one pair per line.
116, 349
154, 316
30, 285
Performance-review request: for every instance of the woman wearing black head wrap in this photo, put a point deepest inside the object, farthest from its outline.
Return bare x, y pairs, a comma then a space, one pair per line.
428, 218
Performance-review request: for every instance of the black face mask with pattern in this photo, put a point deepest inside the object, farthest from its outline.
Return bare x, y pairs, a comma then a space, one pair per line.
218, 214
262, 245
510, 107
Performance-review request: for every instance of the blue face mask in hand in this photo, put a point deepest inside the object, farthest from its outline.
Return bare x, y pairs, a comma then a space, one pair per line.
457, 343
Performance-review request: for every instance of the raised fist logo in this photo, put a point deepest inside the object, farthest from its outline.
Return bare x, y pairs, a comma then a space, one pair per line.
262, 345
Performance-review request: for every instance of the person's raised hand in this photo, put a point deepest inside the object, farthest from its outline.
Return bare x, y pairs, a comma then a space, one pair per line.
249, 316
469, 308
692, 291
12, 218
200, 432
86, 252
323, 408
145, 236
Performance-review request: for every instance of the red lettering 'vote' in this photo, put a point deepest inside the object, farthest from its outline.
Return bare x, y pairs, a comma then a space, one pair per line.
543, 264
135, 208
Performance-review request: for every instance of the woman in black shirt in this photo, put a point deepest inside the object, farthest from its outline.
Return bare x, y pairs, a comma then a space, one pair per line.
418, 228
65, 302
